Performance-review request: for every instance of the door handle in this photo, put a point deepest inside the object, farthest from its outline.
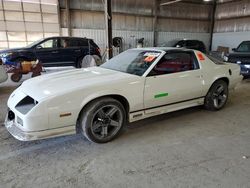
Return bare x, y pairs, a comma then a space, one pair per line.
77, 50
54, 52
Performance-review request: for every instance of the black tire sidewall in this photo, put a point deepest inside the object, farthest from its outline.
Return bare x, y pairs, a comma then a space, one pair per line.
79, 62
209, 104
87, 117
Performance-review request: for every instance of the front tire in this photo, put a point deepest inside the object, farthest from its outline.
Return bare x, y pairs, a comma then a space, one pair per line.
102, 120
217, 96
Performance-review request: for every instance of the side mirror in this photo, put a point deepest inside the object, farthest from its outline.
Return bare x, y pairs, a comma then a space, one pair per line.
39, 47
234, 50
178, 46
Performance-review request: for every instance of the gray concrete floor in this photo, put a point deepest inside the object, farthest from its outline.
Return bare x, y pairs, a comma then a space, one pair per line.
188, 148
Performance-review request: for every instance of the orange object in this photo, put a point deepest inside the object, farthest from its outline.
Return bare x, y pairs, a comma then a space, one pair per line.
26, 66
200, 56
149, 59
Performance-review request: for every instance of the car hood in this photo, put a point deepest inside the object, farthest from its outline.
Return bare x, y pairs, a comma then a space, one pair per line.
239, 54
11, 50
67, 81
243, 57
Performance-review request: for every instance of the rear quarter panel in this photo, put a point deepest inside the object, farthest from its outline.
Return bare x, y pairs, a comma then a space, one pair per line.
212, 72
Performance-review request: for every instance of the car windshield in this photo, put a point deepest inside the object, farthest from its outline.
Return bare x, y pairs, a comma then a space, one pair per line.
34, 43
244, 47
132, 61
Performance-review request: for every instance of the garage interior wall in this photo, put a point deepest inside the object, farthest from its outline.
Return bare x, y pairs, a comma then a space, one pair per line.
25, 21
232, 24
133, 19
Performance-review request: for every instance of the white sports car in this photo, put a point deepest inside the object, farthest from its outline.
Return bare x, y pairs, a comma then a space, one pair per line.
136, 84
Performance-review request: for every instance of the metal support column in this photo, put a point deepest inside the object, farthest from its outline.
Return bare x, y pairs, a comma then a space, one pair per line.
108, 28
212, 24
68, 23
156, 8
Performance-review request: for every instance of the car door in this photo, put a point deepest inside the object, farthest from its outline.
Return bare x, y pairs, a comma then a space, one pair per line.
70, 50
48, 53
176, 78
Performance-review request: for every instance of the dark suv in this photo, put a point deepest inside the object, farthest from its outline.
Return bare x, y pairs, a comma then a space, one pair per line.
241, 56
54, 51
191, 44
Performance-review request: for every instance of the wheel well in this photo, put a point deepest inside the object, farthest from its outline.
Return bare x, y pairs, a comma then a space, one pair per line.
225, 79
119, 98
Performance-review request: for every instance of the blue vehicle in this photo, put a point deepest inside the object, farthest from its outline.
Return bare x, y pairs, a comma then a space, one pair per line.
241, 56
54, 52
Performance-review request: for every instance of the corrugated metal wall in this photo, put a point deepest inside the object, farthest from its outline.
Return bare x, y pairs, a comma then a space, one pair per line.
232, 24
25, 21
133, 19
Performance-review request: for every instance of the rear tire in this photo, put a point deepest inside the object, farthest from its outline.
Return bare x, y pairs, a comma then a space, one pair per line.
102, 120
217, 96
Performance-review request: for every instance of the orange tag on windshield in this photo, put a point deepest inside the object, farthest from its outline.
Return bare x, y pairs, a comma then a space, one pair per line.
149, 59
200, 56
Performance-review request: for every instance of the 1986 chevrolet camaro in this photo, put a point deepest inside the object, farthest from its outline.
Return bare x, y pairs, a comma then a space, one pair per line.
136, 84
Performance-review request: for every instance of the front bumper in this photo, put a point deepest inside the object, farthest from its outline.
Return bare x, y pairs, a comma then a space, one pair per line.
21, 135
18, 133
245, 70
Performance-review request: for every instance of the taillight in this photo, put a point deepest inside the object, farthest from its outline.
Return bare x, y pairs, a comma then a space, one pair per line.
1, 62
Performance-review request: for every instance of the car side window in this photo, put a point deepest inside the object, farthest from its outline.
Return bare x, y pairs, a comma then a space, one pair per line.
51, 43
175, 62
83, 42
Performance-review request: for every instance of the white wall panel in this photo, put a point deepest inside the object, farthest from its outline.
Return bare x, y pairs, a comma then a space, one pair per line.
3, 44
32, 17
13, 16
51, 27
129, 37
97, 34
27, 21
1, 15
50, 18
12, 5
16, 36
33, 36
51, 34
34, 26
15, 26
31, 7
17, 44
167, 37
48, 8
230, 39
49, 2
2, 26
31, 1
3, 36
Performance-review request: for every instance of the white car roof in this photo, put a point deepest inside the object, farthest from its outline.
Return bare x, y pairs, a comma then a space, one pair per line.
163, 49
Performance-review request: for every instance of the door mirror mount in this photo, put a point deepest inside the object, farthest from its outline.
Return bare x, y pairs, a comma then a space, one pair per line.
39, 47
